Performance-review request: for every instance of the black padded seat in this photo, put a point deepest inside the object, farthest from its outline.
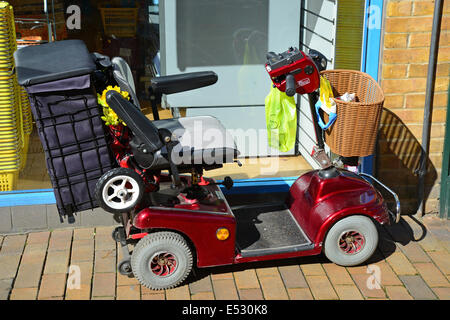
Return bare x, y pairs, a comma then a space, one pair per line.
201, 140
183, 82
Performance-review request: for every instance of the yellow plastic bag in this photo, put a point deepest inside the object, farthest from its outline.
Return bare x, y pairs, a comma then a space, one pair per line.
326, 104
325, 94
281, 120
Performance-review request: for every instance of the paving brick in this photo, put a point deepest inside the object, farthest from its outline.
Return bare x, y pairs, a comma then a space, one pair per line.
442, 293
388, 277
23, 294
348, 292
105, 261
104, 232
367, 287
105, 243
357, 270
225, 289
30, 269
338, 275
400, 264
222, 276
60, 240
267, 272
83, 234
430, 243
57, 262
313, 269
179, 293
201, 285
321, 287
292, 277
300, 294
5, 288
250, 294
246, 279
81, 272
8, 266
203, 296
123, 280
13, 245
414, 252
104, 285
147, 294
38, 238
431, 274
271, 284
442, 260
52, 285
82, 250
132, 292
103, 298
81, 293
417, 288
397, 293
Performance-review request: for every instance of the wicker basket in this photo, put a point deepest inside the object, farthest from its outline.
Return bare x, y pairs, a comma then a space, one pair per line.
355, 131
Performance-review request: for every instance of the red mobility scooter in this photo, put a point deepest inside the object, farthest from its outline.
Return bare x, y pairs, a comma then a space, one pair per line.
178, 221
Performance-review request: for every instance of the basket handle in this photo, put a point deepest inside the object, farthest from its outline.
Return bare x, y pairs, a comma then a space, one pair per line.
331, 120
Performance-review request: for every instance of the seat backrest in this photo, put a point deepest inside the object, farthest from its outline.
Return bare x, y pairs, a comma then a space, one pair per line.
124, 77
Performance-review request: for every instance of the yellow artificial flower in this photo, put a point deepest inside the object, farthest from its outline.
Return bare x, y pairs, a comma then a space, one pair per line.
109, 116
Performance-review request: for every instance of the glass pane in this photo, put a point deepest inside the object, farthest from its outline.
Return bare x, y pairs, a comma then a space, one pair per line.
221, 33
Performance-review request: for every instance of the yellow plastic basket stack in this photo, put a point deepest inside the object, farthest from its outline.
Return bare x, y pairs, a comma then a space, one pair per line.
12, 133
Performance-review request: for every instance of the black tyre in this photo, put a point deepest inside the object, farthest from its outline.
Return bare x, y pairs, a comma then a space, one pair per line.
162, 260
351, 241
124, 268
119, 190
115, 234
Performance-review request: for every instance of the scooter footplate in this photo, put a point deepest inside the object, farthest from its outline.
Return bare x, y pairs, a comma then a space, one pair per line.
268, 229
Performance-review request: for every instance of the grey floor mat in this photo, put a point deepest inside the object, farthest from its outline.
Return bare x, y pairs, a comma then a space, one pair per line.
267, 227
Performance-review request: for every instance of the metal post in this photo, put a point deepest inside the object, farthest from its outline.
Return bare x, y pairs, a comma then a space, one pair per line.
49, 25
431, 77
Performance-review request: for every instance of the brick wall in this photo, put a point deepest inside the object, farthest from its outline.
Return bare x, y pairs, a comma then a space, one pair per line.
405, 54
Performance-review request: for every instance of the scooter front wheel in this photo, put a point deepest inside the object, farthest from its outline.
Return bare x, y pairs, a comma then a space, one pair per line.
351, 241
119, 190
162, 260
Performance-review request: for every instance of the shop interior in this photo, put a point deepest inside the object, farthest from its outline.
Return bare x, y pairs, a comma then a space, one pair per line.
125, 28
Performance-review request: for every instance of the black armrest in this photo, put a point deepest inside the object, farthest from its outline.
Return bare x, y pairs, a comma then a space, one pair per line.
183, 82
139, 124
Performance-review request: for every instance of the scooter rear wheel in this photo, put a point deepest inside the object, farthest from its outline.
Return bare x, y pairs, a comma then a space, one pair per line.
351, 241
162, 260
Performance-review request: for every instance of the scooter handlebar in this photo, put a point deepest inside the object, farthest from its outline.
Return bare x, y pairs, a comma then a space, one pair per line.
290, 85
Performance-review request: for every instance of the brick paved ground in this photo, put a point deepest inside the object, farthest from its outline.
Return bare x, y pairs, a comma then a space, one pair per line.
412, 261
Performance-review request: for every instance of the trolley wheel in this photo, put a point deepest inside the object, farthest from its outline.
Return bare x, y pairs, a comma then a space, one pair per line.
119, 190
351, 241
115, 234
162, 260
124, 268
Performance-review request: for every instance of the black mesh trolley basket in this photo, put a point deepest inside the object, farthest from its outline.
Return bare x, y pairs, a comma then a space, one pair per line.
58, 78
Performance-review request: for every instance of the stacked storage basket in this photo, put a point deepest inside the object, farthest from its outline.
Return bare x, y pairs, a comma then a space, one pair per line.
58, 79
15, 120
